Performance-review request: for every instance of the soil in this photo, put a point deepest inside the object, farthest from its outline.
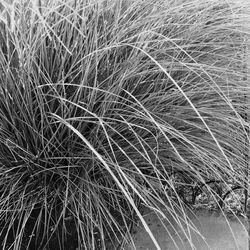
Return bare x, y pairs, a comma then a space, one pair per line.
211, 230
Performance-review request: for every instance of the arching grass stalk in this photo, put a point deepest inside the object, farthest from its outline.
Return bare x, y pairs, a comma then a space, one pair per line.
104, 105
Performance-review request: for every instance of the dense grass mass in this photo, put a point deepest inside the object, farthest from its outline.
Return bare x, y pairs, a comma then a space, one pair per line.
106, 105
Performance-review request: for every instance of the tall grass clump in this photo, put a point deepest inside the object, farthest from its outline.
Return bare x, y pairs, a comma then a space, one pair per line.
105, 104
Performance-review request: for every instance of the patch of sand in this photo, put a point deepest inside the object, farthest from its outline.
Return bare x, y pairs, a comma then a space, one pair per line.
210, 230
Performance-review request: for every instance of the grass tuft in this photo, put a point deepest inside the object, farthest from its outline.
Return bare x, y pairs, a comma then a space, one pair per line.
109, 106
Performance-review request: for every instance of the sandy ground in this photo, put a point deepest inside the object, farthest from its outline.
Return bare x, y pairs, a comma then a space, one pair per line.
216, 232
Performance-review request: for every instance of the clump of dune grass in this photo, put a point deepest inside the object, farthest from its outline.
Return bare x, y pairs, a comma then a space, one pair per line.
104, 105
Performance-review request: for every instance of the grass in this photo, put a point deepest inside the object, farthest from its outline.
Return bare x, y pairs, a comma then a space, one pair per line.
109, 105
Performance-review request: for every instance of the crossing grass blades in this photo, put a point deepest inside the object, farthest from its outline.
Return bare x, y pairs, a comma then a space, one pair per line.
103, 104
